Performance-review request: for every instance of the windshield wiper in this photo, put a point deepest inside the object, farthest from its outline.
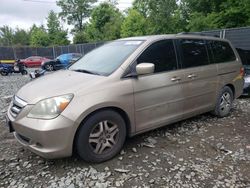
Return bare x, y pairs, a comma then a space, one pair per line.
86, 71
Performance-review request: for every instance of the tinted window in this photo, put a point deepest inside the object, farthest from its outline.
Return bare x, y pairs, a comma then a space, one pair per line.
194, 53
162, 54
222, 52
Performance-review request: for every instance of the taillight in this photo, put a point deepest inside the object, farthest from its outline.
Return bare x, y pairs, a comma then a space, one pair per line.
242, 72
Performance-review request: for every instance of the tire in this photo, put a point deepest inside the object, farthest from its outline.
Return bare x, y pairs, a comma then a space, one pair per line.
24, 72
93, 144
4, 73
224, 102
49, 67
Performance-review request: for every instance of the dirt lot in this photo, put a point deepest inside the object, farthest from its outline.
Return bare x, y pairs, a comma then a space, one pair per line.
200, 152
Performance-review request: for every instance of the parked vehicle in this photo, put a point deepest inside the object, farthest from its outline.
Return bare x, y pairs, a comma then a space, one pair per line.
37, 73
124, 88
61, 61
245, 58
18, 67
34, 61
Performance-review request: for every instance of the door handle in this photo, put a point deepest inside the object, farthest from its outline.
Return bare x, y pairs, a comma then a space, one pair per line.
174, 79
191, 76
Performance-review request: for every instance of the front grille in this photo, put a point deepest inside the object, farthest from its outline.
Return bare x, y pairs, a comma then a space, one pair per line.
17, 105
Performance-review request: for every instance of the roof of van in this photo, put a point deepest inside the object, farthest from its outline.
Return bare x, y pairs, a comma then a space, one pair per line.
155, 37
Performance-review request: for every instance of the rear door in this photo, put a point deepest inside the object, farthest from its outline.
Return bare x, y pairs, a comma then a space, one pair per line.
228, 65
158, 96
200, 76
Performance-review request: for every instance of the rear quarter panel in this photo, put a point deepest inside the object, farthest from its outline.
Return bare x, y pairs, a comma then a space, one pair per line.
229, 73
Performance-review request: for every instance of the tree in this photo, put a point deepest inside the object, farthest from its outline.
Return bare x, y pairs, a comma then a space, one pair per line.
6, 35
75, 12
214, 14
80, 38
159, 13
134, 24
39, 37
21, 37
56, 34
105, 23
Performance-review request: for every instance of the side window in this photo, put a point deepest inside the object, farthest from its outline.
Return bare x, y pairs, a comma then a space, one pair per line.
194, 53
222, 52
162, 54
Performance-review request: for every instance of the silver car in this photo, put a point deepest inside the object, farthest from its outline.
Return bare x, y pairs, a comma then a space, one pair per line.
124, 88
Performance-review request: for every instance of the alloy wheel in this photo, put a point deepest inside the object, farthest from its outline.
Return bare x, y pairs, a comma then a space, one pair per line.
103, 137
225, 102
49, 67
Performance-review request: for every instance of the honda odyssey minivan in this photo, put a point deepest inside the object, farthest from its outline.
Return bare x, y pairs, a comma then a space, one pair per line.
124, 88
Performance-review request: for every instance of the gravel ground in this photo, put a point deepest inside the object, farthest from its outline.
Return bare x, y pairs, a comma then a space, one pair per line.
200, 152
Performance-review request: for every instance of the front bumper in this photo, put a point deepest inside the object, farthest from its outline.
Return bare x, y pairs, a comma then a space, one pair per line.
47, 138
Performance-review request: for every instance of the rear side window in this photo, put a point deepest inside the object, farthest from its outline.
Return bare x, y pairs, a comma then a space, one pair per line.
222, 52
161, 54
194, 53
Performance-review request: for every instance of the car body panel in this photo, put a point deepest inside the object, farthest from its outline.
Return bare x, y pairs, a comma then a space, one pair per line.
34, 61
62, 61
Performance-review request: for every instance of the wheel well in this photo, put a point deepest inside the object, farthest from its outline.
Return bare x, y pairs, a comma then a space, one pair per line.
232, 88
118, 110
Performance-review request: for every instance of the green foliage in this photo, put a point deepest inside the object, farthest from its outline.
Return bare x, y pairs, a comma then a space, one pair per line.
75, 12
160, 15
39, 37
145, 17
6, 35
214, 14
105, 23
80, 38
56, 34
21, 37
134, 24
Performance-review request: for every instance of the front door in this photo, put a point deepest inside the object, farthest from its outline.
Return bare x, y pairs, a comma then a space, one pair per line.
158, 97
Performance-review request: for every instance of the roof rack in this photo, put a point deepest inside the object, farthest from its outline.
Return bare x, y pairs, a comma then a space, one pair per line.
197, 33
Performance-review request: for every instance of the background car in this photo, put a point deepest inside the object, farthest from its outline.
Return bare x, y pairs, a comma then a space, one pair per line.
61, 61
34, 61
245, 58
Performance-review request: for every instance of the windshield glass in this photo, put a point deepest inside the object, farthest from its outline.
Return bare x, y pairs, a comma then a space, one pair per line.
106, 59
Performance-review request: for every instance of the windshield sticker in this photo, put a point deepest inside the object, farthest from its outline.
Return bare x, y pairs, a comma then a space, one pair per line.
133, 42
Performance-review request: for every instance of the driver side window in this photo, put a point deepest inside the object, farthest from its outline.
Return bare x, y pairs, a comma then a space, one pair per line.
161, 54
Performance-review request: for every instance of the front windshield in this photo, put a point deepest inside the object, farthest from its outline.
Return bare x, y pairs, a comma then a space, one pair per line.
106, 59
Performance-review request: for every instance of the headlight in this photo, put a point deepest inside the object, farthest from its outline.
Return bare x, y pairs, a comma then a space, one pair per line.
50, 108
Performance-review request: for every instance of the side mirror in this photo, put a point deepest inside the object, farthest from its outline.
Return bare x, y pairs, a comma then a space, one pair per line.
145, 68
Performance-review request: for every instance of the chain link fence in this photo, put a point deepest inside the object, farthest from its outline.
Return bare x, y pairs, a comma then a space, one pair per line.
240, 38
10, 53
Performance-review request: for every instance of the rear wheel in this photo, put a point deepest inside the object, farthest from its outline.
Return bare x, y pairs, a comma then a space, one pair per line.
101, 136
49, 67
224, 102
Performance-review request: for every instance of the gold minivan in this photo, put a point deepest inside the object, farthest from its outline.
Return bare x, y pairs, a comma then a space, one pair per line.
124, 88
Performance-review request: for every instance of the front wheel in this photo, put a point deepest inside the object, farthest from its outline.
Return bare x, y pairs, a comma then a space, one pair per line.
4, 73
24, 72
224, 102
49, 67
101, 136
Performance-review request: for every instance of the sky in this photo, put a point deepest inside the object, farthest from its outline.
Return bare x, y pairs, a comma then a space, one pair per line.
24, 13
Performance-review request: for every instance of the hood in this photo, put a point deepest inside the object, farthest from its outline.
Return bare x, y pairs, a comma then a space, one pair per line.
58, 83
